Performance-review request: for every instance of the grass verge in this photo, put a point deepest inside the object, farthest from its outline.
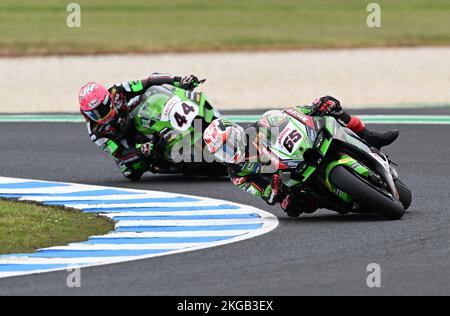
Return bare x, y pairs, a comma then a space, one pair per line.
27, 227
30, 27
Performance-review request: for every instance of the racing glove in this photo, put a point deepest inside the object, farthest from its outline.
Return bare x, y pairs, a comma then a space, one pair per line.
190, 82
327, 105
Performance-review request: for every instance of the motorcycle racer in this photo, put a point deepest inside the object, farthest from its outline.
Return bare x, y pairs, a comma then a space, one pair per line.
109, 112
228, 142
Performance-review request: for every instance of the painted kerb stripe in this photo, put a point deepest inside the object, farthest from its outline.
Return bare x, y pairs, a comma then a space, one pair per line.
148, 224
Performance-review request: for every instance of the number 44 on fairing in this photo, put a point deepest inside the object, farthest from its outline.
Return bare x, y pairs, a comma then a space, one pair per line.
168, 115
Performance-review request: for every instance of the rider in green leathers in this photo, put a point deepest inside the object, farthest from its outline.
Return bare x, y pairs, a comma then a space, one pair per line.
108, 114
228, 142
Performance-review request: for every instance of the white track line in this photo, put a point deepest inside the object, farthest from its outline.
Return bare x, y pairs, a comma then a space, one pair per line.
117, 197
124, 246
179, 213
69, 261
203, 233
202, 222
141, 205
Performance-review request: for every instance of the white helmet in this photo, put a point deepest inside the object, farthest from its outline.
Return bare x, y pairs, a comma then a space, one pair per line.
226, 141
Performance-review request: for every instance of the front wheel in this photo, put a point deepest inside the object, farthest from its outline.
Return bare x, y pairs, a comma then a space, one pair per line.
368, 198
404, 193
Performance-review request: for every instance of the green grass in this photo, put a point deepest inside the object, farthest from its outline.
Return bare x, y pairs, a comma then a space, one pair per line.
30, 26
27, 227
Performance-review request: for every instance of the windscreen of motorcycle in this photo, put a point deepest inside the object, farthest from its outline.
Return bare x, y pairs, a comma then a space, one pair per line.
285, 137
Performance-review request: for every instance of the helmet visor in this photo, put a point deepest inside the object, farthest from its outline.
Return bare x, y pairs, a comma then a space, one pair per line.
102, 113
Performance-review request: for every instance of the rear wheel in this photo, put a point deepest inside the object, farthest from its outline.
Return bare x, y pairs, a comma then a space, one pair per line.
368, 198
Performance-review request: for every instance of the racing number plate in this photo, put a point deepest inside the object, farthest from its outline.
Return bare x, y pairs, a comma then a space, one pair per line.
289, 140
180, 113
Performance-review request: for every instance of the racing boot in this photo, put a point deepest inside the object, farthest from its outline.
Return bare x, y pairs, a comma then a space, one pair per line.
377, 139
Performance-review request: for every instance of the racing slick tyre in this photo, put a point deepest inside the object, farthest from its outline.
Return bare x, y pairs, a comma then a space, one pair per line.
405, 193
368, 198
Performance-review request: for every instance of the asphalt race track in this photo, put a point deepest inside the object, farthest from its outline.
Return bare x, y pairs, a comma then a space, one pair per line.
323, 253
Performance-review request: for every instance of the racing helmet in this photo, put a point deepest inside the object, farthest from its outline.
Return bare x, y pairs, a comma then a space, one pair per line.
96, 103
226, 141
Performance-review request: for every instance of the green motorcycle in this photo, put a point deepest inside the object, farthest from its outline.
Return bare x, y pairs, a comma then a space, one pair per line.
174, 120
319, 157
